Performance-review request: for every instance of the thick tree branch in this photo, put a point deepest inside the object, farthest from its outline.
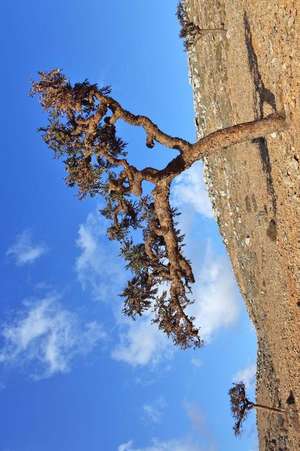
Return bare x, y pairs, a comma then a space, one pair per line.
153, 132
221, 139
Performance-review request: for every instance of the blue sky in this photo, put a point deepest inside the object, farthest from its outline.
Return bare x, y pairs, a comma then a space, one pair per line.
74, 374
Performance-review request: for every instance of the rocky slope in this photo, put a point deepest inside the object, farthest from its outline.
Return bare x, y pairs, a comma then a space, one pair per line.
243, 73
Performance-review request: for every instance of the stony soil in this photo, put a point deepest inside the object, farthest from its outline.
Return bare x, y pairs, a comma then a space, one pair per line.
243, 73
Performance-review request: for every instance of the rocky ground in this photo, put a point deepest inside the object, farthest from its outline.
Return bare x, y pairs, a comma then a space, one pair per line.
245, 72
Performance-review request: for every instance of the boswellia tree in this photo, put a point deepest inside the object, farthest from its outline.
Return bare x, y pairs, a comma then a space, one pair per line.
241, 405
82, 130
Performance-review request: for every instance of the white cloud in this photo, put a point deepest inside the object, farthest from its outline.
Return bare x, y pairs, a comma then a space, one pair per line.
141, 343
98, 266
189, 190
154, 410
47, 337
157, 445
216, 306
24, 251
246, 375
216, 298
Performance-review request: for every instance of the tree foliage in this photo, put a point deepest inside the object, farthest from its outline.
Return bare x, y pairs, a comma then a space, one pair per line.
240, 405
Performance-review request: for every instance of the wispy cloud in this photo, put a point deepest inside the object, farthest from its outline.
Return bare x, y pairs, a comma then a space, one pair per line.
125, 446
169, 445
154, 411
216, 297
24, 251
100, 270
98, 266
46, 338
141, 343
189, 190
199, 423
246, 375
196, 362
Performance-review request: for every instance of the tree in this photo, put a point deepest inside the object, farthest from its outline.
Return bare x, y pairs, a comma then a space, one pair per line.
82, 130
240, 406
190, 32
